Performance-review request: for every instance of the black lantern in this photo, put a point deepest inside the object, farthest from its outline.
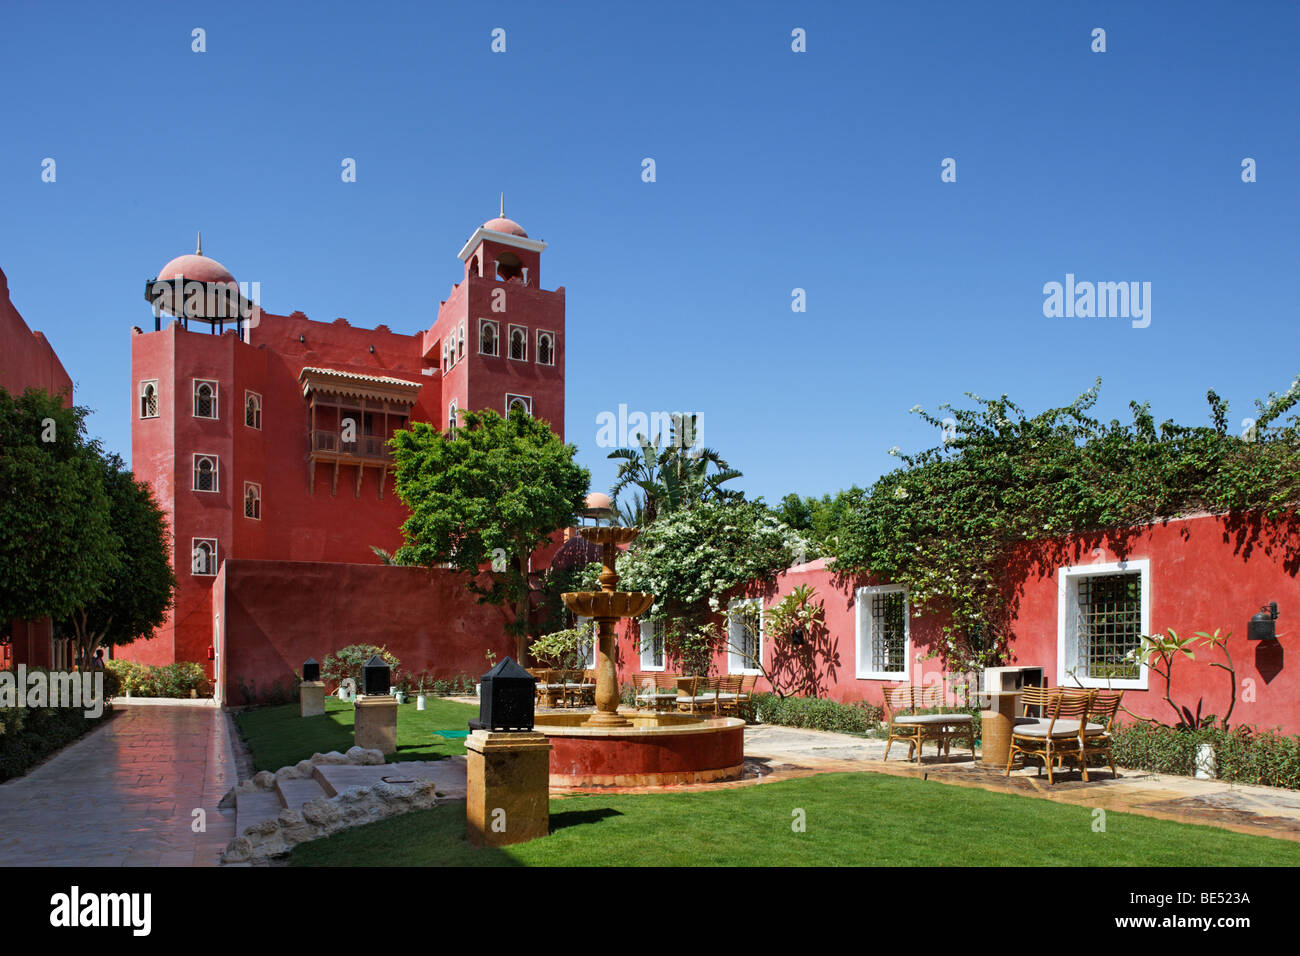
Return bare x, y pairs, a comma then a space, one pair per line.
506, 699
796, 637
310, 670
1261, 625
376, 677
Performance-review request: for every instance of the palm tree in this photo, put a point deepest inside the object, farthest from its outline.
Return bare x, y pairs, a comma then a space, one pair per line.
671, 478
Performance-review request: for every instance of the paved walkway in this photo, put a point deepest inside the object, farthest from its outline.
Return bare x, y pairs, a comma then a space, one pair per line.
123, 795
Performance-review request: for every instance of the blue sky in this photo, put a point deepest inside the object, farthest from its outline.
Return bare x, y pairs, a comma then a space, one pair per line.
775, 170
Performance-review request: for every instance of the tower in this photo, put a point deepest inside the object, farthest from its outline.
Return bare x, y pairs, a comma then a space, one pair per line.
499, 336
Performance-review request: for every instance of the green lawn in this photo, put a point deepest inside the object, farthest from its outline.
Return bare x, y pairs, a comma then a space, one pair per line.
851, 819
278, 737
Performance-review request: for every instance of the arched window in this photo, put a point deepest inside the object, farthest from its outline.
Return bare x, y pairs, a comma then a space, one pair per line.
451, 416
253, 410
203, 555
445, 364
474, 269
519, 343
205, 473
252, 501
487, 337
509, 266
149, 400
545, 348
205, 399
522, 402
460, 343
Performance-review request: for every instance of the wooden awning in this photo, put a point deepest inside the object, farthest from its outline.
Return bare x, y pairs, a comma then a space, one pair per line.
378, 388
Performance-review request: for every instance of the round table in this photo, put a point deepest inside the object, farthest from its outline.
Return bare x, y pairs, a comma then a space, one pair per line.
997, 718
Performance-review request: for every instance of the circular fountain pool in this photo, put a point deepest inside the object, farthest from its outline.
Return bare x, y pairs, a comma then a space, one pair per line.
656, 750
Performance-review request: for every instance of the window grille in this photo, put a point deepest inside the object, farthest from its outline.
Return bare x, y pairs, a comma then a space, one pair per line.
1110, 624
888, 632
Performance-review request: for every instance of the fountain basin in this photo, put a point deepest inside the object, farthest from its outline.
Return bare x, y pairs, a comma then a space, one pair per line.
657, 750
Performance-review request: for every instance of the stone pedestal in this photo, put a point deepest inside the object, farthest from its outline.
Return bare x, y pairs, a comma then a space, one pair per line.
508, 787
376, 723
311, 698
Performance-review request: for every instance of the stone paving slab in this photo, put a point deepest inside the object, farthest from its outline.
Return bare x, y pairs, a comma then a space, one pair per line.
123, 795
447, 774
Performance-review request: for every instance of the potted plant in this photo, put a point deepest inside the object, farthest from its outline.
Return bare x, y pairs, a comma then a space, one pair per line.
421, 700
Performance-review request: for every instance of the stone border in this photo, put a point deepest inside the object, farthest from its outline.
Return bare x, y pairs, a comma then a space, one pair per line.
125, 701
322, 816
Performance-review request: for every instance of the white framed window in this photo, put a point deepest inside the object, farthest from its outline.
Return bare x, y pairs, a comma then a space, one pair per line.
744, 636
253, 410
652, 646
252, 500
203, 556
205, 398
588, 647
489, 337
519, 343
149, 398
522, 402
451, 415
1102, 611
206, 473
460, 343
884, 638
445, 363
545, 348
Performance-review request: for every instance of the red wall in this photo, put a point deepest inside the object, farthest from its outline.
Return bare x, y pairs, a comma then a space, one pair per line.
27, 360
1205, 573
276, 614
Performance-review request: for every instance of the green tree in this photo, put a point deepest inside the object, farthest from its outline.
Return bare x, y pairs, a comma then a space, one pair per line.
691, 558
487, 494
135, 597
820, 520
57, 547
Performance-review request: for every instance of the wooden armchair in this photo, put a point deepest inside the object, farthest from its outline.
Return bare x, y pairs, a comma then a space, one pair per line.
729, 695
548, 689
697, 695
915, 729
655, 690
1096, 732
1055, 738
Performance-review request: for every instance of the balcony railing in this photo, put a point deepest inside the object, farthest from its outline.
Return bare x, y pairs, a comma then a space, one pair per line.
363, 446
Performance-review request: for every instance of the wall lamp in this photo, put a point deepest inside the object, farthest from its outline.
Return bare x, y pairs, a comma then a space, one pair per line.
1262, 627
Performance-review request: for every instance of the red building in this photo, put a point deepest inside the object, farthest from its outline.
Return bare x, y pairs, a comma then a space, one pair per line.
27, 360
265, 441
1077, 605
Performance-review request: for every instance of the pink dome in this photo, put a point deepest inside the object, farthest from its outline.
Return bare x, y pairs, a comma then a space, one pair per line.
196, 267
598, 502
508, 226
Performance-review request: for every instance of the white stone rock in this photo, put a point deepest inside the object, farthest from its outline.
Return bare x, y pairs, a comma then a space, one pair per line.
367, 757
331, 758
264, 779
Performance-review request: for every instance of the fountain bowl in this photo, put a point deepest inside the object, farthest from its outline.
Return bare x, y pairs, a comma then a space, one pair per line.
608, 604
657, 750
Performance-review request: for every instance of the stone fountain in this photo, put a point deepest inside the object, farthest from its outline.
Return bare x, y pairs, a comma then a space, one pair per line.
607, 607
629, 748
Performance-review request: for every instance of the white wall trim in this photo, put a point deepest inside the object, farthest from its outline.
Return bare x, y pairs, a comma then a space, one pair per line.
504, 238
1064, 594
862, 624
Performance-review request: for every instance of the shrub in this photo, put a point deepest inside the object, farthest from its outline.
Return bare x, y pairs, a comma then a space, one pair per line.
1242, 755
348, 661
166, 680
817, 713
29, 735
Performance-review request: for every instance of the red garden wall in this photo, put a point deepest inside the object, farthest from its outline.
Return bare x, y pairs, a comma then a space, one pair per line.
273, 615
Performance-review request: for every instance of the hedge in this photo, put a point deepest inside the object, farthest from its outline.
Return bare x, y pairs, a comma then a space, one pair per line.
29, 735
1242, 755
817, 713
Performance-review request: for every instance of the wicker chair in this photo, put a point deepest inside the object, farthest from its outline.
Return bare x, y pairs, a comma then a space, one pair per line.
730, 695
1055, 738
700, 697
915, 729
1096, 737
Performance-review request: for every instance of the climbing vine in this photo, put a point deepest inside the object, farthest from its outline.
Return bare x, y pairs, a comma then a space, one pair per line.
951, 521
